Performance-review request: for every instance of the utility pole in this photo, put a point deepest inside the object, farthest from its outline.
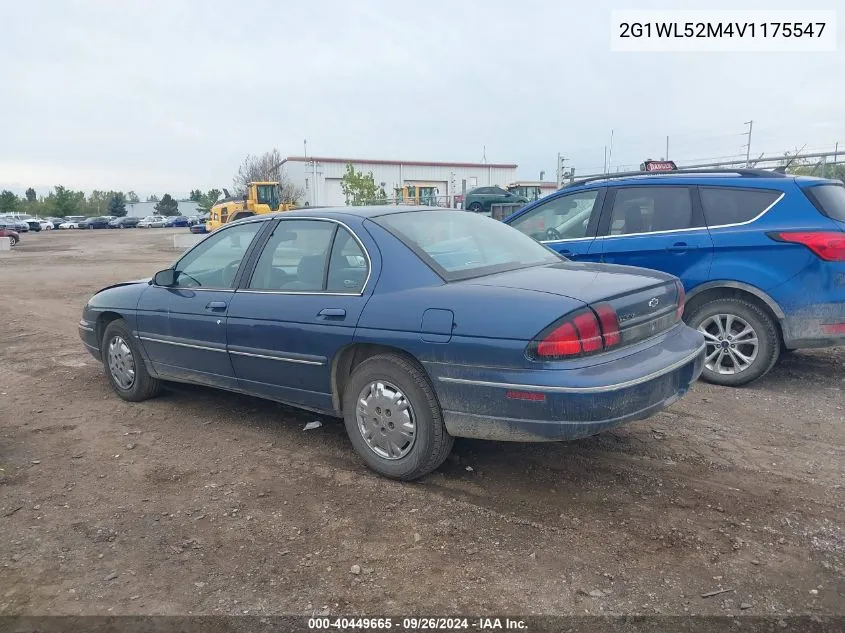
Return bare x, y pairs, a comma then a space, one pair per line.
604, 169
610, 153
560, 161
750, 125
667, 147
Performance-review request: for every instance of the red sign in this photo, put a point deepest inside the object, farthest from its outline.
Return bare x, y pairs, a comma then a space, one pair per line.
659, 165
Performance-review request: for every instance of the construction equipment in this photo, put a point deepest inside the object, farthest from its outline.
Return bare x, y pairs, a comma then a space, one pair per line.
417, 195
261, 197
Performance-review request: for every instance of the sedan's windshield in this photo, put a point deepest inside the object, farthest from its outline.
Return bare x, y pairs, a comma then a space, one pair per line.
459, 245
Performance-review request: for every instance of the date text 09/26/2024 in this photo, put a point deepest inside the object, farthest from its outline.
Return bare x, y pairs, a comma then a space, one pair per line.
482, 624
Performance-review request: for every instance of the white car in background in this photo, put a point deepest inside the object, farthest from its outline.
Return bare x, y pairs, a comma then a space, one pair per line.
152, 222
45, 225
69, 225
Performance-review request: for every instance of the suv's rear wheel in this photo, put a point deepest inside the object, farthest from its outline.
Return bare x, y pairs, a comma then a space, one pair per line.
475, 206
742, 341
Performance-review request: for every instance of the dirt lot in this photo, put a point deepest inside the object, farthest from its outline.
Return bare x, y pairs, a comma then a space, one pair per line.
207, 502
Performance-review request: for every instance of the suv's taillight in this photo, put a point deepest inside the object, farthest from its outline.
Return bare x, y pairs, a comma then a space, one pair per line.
828, 245
581, 333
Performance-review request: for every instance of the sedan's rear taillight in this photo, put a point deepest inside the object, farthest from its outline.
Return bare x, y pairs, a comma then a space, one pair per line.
828, 245
582, 333
682, 297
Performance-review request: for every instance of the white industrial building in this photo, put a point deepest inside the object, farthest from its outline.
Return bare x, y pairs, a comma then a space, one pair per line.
320, 177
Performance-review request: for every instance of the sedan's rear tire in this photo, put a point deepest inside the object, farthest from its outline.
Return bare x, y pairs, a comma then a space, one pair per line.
742, 341
12, 240
393, 418
124, 364
475, 207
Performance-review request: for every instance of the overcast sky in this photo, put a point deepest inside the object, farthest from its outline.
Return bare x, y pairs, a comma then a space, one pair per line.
162, 96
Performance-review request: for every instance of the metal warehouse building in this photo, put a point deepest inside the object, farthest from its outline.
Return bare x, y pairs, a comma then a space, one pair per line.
320, 177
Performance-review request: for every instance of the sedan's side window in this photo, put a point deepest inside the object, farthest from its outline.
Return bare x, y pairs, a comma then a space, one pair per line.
295, 257
215, 261
649, 209
563, 218
347, 265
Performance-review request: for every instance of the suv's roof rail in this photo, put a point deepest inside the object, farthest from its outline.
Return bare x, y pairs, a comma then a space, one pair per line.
743, 172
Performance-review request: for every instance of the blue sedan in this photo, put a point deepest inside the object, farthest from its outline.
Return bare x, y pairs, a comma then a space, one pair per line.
415, 325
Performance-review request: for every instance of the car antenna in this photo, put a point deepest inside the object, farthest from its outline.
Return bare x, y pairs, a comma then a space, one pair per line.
791, 160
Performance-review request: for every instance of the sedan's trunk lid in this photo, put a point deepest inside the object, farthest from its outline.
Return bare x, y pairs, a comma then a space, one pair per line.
646, 302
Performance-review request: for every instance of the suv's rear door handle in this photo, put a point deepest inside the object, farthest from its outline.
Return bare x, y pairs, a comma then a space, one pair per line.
216, 305
332, 313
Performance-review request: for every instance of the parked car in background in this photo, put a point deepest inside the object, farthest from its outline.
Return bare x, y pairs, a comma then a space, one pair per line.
761, 254
71, 222
15, 220
56, 222
32, 224
46, 224
152, 222
7, 230
126, 222
387, 317
481, 198
198, 228
177, 220
99, 222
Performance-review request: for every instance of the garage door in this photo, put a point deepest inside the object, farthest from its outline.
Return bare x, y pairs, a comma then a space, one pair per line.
332, 194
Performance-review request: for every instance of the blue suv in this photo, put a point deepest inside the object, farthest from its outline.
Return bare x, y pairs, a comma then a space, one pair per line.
761, 254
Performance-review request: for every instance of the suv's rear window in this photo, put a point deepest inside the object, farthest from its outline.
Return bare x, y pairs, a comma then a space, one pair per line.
732, 206
829, 199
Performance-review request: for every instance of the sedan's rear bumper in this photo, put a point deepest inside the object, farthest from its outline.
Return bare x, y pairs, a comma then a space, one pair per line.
567, 404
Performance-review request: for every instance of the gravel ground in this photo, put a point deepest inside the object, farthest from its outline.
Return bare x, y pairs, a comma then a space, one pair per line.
206, 502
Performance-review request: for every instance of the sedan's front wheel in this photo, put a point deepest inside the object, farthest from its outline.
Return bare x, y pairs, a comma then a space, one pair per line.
742, 342
124, 365
393, 418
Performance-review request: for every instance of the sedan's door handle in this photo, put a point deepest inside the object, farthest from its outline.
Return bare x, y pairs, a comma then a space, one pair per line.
216, 305
332, 313
568, 253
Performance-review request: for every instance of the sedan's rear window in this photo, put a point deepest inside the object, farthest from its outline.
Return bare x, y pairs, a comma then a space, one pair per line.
459, 245
829, 199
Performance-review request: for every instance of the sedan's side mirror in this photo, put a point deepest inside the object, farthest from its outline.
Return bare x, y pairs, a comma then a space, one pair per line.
165, 278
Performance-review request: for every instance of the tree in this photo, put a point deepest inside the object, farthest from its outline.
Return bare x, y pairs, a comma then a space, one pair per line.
132, 198
167, 206
152, 198
117, 204
208, 199
30, 195
8, 202
266, 168
360, 188
195, 195
64, 202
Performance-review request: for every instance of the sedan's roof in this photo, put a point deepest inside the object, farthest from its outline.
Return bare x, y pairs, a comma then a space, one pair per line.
363, 212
